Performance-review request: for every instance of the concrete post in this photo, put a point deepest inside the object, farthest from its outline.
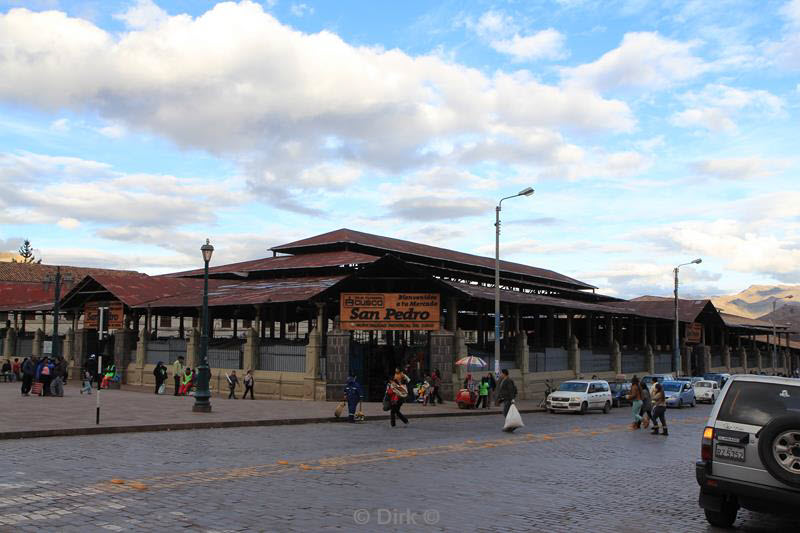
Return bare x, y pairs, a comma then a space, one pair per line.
69, 347
10, 342
707, 357
616, 357
759, 360
649, 359
192, 347
460, 345
521, 350
726, 357
746, 359
141, 348
443, 359
38, 343
251, 350
452, 313
742, 355
574, 355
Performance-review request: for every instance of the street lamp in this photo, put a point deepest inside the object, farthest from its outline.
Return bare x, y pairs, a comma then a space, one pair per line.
58, 280
774, 330
676, 348
202, 395
527, 191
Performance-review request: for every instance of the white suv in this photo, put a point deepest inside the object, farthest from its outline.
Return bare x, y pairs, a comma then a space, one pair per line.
751, 449
579, 396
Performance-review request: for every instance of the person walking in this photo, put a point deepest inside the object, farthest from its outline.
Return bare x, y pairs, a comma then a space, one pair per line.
659, 409
87, 382
46, 376
59, 377
647, 406
635, 396
436, 394
352, 395
248, 381
492, 386
177, 373
16, 368
506, 391
483, 393
160, 374
28, 370
397, 394
232, 382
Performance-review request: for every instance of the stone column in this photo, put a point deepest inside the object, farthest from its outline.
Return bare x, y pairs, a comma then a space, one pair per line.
192, 348
124, 343
251, 350
141, 349
574, 355
521, 350
742, 355
726, 357
707, 358
443, 359
452, 313
10, 342
746, 359
337, 362
460, 345
38, 343
649, 359
616, 357
759, 360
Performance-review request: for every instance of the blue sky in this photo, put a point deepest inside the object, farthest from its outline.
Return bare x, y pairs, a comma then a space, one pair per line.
653, 132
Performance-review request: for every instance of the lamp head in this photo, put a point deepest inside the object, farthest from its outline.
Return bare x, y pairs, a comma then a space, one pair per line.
207, 250
527, 191
697, 261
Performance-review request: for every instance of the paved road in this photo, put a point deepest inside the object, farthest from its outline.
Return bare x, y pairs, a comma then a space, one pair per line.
560, 473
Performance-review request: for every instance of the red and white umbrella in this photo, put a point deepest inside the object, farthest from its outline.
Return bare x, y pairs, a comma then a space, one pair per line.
471, 360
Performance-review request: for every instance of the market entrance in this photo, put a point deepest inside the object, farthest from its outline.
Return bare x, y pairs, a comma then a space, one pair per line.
375, 354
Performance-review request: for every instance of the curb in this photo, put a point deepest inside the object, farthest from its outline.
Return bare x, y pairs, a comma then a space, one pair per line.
221, 424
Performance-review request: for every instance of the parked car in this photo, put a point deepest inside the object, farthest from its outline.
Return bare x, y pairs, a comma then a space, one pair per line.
652, 378
679, 393
619, 393
719, 378
750, 451
579, 396
690, 379
706, 391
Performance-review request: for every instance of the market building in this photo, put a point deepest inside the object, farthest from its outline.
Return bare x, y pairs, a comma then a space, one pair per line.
352, 303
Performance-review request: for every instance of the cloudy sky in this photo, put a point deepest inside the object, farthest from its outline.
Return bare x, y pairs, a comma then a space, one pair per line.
654, 132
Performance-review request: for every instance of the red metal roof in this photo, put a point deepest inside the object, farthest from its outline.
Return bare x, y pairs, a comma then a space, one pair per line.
518, 297
34, 272
286, 262
659, 307
389, 244
141, 291
16, 296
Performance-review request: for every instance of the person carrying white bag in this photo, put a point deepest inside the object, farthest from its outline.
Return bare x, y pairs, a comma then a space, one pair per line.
506, 392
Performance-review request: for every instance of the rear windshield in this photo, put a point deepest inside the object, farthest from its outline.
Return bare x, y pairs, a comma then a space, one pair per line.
757, 403
672, 386
704, 385
573, 387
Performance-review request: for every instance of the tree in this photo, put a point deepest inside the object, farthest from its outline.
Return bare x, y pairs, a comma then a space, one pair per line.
26, 253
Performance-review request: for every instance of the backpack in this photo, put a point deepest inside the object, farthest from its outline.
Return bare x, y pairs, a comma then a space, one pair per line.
45, 370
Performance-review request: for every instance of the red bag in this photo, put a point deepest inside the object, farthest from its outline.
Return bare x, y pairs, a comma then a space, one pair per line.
36, 390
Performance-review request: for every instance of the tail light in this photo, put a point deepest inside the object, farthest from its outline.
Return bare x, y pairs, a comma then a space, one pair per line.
707, 445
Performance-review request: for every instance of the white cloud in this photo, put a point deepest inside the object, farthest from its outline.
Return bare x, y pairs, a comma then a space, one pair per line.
143, 14
60, 125
383, 107
113, 131
644, 60
716, 107
738, 168
301, 10
546, 44
68, 223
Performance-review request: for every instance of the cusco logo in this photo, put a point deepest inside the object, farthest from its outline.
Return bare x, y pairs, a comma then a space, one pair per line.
364, 300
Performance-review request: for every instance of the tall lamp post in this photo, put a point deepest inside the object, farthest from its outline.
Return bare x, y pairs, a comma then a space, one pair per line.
527, 191
676, 347
57, 280
202, 395
775, 332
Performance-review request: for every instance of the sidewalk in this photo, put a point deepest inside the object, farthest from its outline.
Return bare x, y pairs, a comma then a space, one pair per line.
135, 409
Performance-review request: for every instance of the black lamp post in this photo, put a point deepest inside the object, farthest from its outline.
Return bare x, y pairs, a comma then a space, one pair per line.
58, 279
202, 395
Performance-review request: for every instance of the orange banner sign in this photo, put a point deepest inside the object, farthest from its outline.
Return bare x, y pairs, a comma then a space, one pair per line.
91, 316
116, 316
694, 333
389, 311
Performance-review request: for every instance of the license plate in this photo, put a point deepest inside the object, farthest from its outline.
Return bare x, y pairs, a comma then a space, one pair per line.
734, 453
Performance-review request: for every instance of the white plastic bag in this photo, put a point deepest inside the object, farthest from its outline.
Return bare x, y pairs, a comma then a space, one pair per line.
513, 420
162, 389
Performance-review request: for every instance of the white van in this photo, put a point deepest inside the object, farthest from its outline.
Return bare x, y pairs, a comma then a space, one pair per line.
579, 396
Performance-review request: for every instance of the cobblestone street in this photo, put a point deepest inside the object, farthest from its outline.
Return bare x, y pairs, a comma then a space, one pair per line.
559, 473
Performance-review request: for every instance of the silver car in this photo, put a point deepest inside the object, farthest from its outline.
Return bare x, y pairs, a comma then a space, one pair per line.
679, 393
750, 452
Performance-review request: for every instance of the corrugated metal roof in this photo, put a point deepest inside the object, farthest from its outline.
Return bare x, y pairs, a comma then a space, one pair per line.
390, 244
734, 321
658, 307
16, 296
286, 262
34, 272
517, 297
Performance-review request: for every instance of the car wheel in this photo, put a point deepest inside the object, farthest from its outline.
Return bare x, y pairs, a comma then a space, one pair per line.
779, 449
584, 408
693, 402
723, 518
551, 411
607, 408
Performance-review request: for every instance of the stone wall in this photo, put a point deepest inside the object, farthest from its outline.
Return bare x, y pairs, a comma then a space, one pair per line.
337, 361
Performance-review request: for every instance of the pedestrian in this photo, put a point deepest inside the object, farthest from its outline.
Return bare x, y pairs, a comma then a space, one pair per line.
6, 371
91, 368
186, 382
492, 386
160, 375
506, 391
647, 406
248, 381
397, 394
436, 394
59, 377
232, 382
109, 375
483, 393
660, 409
87, 382
177, 373
635, 396
28, 370
352, 395
46, 376
16, 368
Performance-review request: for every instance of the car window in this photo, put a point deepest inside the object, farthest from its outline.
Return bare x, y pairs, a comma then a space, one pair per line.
753, 403
604, 387
592, 389
572, 387
671, 386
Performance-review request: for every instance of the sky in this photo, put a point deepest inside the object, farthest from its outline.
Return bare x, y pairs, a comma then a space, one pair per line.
653, 132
